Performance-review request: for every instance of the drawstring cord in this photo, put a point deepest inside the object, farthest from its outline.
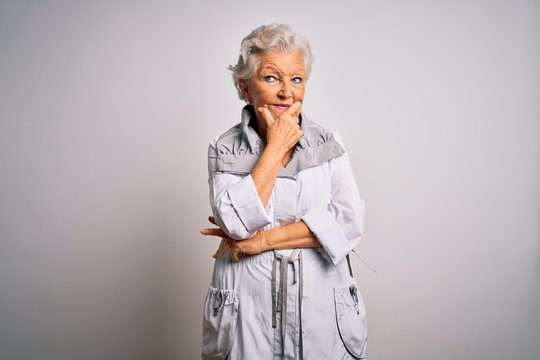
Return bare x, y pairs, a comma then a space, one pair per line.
279, 300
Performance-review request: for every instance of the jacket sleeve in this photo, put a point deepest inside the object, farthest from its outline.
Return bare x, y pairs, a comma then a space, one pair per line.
236, 206
339, 224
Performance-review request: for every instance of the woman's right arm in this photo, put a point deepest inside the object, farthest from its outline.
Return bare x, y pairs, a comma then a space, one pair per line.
239, 204
282, 134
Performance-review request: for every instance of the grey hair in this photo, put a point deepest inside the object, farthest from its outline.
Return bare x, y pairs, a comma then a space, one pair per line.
262, 40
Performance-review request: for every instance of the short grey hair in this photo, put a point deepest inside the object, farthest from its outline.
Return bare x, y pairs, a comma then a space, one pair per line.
262, 40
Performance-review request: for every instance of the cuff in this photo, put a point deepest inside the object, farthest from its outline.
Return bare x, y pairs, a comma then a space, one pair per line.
329, 234
247, 204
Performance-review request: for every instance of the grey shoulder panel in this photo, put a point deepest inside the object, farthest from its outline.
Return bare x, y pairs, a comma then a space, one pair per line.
239, 148
236, 164
234, 141
312, 156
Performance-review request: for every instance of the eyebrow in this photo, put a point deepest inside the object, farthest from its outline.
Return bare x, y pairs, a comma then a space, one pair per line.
272, 68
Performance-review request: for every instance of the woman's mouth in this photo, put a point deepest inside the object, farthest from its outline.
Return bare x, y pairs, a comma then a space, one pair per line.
282, 106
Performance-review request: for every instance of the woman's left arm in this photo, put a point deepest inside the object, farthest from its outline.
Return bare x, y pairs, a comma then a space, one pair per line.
338, 224
335, 227
290, 236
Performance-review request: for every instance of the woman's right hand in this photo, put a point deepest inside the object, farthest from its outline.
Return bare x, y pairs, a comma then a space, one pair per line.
283, 132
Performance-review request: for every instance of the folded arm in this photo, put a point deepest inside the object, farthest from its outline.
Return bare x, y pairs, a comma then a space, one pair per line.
295, 235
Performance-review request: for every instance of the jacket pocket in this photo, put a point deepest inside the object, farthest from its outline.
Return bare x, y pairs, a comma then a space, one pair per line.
219, 322
351, 319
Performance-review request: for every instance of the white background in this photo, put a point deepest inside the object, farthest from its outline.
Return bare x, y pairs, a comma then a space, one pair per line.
106, 110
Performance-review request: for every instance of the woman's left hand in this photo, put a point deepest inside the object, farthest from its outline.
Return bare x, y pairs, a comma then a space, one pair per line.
251, 246
226, 241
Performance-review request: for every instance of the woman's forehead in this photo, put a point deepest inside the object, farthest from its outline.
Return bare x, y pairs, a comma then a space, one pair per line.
283, 61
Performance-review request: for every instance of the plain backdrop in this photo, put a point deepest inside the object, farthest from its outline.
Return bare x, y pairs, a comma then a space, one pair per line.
106, 110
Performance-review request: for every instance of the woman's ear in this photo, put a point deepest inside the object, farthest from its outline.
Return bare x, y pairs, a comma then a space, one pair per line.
244, 86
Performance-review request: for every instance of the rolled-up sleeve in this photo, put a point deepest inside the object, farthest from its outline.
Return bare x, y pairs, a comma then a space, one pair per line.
236, 206
339, 224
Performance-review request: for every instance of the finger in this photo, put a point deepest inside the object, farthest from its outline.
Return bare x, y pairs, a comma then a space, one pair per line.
223, 247
235, 254
212, 220
294, 109
213, 232
267, 117
218, 252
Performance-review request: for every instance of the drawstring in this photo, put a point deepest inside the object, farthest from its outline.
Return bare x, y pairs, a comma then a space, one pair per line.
364, 261
279, 300
350, 266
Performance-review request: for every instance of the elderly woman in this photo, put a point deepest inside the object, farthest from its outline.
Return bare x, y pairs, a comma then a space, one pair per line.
287, 208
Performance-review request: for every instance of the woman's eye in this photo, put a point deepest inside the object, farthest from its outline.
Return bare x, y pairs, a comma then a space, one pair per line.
269, 78
296, 80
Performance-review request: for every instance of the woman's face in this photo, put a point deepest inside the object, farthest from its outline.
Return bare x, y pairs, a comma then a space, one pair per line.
278, 82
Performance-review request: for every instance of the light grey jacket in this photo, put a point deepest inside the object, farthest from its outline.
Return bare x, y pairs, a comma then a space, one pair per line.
292, 304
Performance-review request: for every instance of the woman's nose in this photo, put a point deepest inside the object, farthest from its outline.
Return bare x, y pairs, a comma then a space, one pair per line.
286, 90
